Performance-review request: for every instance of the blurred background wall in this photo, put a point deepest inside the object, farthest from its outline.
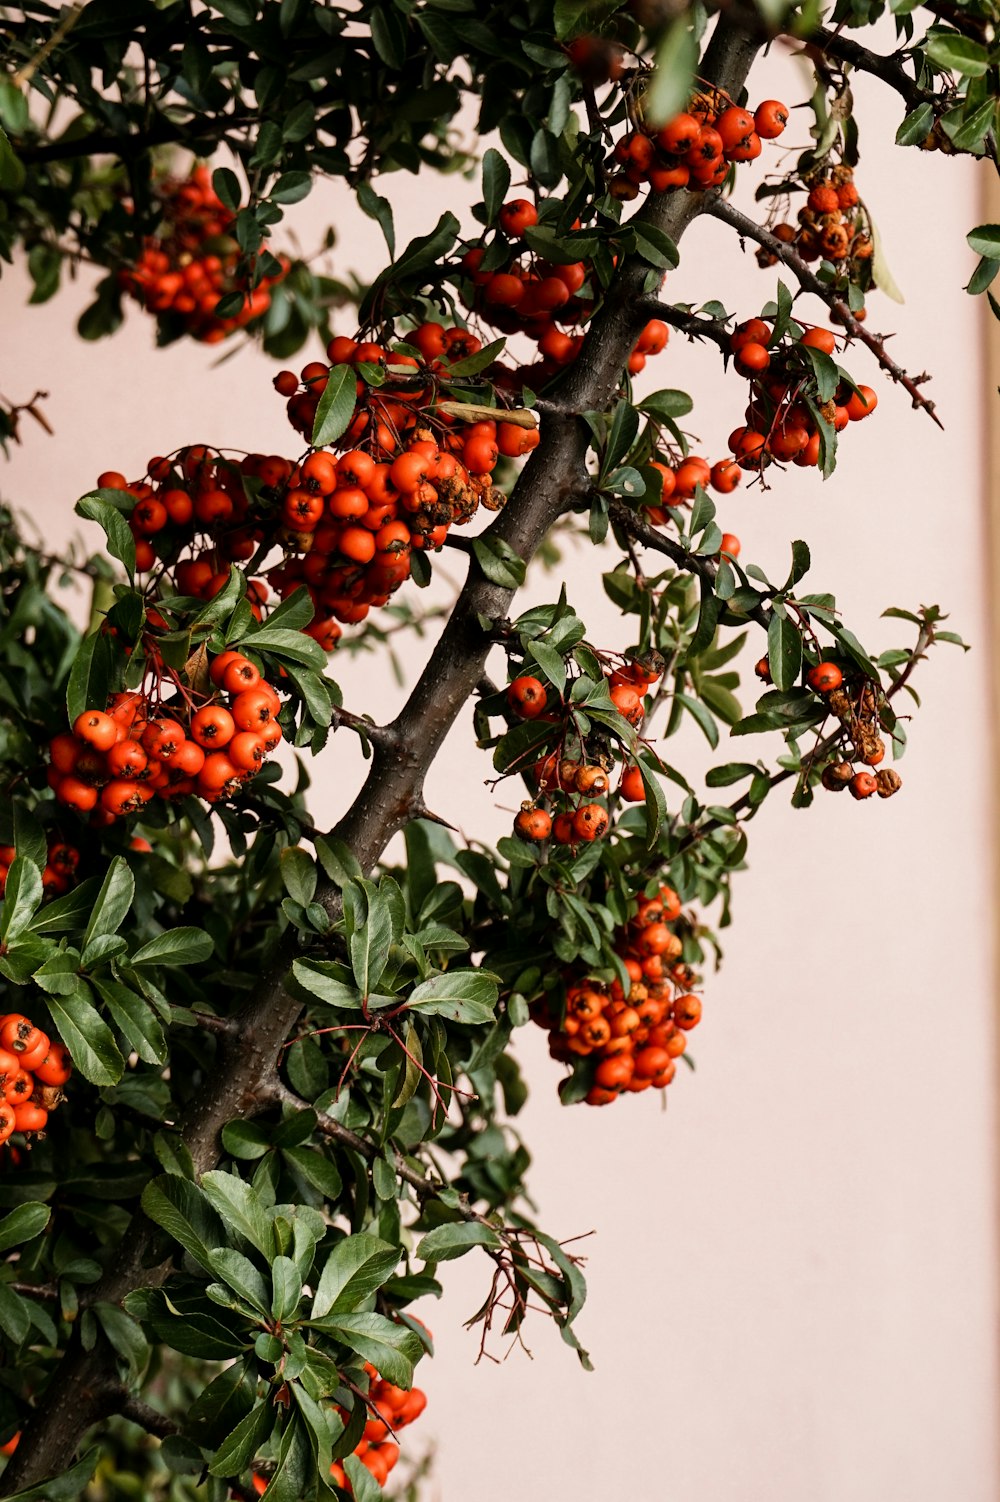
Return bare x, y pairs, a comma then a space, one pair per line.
793, 1270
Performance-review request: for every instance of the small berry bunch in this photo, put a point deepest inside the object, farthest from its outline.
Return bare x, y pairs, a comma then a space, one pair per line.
631, 1042
518, 292
191, 266
209, 744
33, 1070
201, 502
565, 807
59, 873
857, 703
391, 1409
833, 225
694, 150
779, 424
680, 479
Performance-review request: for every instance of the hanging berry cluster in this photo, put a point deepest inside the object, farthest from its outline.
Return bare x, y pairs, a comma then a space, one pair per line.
518, 292
833, 225
859, 705
695, 149
410, 473
391, 1409
565, 807
33, 1070
146, 746
856, 702
781, 418
630, 1042
189, 268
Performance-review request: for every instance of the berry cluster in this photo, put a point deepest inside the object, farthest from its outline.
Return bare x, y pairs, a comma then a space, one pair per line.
198, 500
145, 747
33, 1070
633, 1040
857, 704
833, 225
779, 424
392, 1408
680, 480
185, 271
410, 473
59, 873
523, 294
695, 149
564, 807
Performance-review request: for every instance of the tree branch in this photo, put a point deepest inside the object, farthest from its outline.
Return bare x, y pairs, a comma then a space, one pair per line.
886, 67
721, 208
689, 323
244, 1070
151, 1419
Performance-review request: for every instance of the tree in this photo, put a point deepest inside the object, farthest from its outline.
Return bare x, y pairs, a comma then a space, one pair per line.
288, 1087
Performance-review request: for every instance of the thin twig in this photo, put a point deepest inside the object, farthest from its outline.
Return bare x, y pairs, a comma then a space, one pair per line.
720, 208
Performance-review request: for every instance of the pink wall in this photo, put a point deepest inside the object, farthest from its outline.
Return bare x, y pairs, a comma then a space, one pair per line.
793, 1276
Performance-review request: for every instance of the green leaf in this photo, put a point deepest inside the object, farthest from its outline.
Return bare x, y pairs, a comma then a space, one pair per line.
498, 561
178, 946
445, 1243
134, 1018
422, 253
68, 1484
121, 543
733, 771
917, 126
291, 187
23, 1224
957, 53
287, 1281
784, 651
355, 1268
983, 276
241, 1209
656, 803
676, 57
113, 900
240, 1447
551, 663
185, 1214
90, 677
242, 1277
338, 860
985, 240
571, 17
227, 187
324, 979
87, 1036
391, 1348
370, 929
124, 1334
364, 1487
298, 873
21, 900
471, 365
701, 715
336, 406
12, 176
496, 182
468, 996
379, 209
